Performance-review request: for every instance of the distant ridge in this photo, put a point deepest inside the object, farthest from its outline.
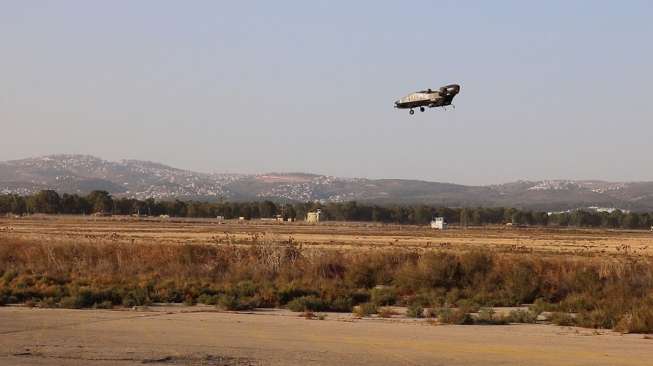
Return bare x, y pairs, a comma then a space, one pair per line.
143, 179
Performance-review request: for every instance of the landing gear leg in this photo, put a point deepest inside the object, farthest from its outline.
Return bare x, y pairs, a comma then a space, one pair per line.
411, 112
421, 109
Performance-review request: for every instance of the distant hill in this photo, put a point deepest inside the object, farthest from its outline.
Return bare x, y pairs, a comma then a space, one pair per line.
142, 179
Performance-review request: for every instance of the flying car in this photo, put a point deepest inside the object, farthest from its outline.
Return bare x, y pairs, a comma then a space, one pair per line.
429, 98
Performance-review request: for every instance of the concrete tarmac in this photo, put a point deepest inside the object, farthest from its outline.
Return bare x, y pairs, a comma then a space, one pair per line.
186, 336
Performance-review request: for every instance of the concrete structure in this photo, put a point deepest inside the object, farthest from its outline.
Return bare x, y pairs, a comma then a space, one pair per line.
276, 218
314, 217
439, 223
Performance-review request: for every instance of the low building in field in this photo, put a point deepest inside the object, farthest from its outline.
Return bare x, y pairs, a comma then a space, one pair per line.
439, 223
314, 217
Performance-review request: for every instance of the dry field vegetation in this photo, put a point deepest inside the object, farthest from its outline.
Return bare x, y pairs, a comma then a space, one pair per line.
589, 278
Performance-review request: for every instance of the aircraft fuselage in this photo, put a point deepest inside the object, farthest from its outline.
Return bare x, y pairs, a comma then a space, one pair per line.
429, 98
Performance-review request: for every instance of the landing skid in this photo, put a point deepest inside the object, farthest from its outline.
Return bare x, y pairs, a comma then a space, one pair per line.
422, 109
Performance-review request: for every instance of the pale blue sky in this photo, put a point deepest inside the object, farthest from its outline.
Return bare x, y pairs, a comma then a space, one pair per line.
555, 89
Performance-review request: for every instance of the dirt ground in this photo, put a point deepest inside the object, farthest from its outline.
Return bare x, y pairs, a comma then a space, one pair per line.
177, 336
329, 235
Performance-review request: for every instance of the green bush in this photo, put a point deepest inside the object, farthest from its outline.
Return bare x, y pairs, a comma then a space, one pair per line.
341, 305
83, 298
136, 297
307, 303
638, 320
521, 284
540, 306
366, 309
290, 292
561, 318
384, 296
228, 302
169, 292
360, 296
458, 316
233, 303
415, 310
469, 305
432, 297
208, 299
578, 302
487, 316
423, 299
521, 316
453, 296
597, 318
104, 305
68, 302
245, 289
48, 302
9, 276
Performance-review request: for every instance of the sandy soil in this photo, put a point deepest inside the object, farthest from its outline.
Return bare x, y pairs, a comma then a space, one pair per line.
177, 336
330, 235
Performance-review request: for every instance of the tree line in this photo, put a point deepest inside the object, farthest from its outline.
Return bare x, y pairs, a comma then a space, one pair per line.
50, 202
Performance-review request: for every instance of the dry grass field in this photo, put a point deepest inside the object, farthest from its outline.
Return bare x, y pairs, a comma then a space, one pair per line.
328, 235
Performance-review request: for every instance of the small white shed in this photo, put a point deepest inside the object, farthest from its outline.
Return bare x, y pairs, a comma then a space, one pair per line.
439, 223
314, 217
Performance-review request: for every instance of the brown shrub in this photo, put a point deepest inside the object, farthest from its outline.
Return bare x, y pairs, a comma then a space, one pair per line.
605, 292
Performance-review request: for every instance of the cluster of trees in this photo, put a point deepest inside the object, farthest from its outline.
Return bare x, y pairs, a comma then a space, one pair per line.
50, 202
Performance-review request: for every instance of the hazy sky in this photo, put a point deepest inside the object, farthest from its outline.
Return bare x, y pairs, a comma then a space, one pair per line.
554, 89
